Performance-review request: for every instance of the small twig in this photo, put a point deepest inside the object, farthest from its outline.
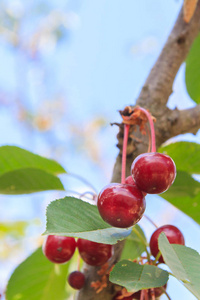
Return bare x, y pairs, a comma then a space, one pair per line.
152, 222
83, 180
125, 140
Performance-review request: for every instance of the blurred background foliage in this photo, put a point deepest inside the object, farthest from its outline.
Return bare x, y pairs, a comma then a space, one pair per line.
66, 68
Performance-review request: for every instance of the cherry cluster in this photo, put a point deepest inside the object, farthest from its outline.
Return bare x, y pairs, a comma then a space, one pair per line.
174, 236
60, 249
123, 204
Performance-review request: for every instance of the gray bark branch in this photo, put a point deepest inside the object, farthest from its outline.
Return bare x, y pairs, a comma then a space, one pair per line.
154, 96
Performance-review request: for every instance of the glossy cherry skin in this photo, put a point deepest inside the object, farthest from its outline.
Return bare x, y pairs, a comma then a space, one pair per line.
173, 234
129, 180
59, 249
94, 254
121, 205
76, 280
153, 172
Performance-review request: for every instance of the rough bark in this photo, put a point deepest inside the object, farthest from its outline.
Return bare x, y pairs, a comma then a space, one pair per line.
154, 96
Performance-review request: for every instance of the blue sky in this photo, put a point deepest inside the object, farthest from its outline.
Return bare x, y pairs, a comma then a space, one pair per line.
100, 67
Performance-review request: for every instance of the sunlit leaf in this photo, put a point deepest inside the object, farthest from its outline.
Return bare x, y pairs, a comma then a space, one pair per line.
184, 194
184, 262
38, 278
25, 181
192, 71
186, 155
14, 158
135, 277
73, 217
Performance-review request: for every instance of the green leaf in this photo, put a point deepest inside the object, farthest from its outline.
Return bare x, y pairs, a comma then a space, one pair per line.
24, 181
184, 194
135, 244
135, 277
14, 158
184, 262
38, 278
73, 217
186, 155
192, 71
184, 185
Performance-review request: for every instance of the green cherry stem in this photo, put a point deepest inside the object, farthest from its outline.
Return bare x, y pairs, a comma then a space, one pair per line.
125, 141
153, 137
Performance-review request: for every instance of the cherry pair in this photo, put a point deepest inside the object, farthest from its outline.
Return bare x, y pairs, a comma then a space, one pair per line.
123, 204
60, 249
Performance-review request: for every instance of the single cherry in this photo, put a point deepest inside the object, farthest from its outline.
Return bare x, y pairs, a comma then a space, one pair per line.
121, 205
173, 235
129, 180
94, 254
76, 280
153, 172
59, 249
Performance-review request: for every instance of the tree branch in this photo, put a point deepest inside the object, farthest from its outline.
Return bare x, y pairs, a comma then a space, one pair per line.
184, 121
158, 86
154, 96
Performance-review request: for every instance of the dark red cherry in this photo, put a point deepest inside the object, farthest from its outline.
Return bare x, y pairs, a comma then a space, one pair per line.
173, 235
76, 280
153, 172
94, 254
129, 180
59, 249
121, 205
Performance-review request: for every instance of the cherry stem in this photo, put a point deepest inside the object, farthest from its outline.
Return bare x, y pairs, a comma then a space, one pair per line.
143, 241
142, 295
83, 180
90, 193
157, 257
78, 263
125, 141
152, 222
153, 137
166, 294
149, 135
152, 294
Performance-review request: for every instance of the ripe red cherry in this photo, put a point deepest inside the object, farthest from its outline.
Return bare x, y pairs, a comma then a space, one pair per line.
59, 249
121, 205
173, 235
129, 180
76, 280
94, 254
154, 172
